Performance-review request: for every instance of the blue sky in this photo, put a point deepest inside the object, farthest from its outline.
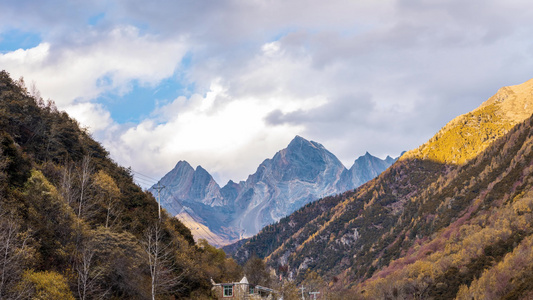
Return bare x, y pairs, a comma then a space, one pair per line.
14, 39
140, 100
226, 84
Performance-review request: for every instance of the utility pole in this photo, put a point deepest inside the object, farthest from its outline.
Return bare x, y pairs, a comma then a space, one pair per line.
159, 188
302, 288
314, 294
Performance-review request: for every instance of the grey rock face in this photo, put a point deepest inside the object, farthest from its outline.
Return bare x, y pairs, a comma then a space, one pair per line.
183, 184
303, 172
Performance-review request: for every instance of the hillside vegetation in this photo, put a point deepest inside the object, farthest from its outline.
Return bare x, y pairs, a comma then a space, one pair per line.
74, 225
484, 251
449, 219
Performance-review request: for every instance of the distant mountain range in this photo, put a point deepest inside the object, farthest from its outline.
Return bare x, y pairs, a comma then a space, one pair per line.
303, 172
452, 219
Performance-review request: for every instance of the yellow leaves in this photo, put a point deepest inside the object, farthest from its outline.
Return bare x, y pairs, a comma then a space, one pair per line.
497, 281
463, 293
422, 269
45, 198
375, 196
463, 245
47, 285
106, 183
464, 137
523, 205
40, 182
332, 237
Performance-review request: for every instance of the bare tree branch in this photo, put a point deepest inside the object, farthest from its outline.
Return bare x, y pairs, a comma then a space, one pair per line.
89, 274
14, 252
165, 278
84, 174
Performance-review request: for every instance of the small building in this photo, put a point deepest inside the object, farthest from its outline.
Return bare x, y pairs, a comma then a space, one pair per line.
242, 290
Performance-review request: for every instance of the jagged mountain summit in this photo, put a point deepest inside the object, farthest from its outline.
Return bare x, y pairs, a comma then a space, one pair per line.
303, 172
188, 184
367, 167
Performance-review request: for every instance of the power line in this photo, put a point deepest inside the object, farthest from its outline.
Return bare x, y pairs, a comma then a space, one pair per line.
144, 181
145, 176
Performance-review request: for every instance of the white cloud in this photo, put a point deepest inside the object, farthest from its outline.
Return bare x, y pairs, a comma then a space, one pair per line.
96, 62
228, 139
381, 76
34, 56
91, 115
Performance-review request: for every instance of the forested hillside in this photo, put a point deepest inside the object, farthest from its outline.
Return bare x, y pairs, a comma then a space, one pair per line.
73, 224
452, 218
474, 232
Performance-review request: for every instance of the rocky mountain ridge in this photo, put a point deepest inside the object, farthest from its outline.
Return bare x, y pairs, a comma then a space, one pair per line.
302, 172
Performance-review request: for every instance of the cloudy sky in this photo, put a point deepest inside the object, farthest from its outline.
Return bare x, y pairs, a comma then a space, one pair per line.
226, 84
